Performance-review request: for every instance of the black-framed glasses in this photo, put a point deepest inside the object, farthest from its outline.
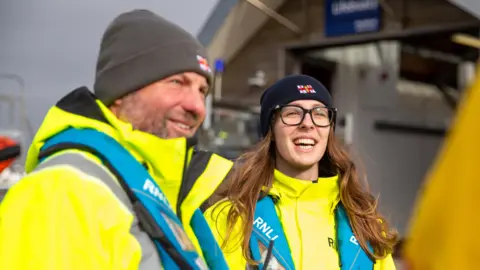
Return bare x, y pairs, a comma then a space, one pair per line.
293, 115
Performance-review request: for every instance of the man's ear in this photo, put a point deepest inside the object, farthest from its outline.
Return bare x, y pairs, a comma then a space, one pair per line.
115, 106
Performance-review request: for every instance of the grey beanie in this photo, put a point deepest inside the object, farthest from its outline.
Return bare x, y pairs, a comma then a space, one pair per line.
139, 48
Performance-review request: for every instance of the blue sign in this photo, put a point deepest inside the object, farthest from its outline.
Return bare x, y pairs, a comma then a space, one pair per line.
348, 17
219, 65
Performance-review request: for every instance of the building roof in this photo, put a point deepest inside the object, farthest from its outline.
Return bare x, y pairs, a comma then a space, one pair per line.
234, 21
215, 20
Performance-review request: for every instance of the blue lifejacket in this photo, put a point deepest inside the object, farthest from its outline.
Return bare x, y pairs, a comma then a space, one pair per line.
269, 245
154, 212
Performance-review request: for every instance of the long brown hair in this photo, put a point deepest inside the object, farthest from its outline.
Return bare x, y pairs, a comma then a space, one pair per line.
254, 175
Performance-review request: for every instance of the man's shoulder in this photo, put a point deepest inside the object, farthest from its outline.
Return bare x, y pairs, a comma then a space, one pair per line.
76, 166
74, 160
74, 172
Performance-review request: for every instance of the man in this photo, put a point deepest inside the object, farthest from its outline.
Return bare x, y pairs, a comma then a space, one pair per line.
107, 185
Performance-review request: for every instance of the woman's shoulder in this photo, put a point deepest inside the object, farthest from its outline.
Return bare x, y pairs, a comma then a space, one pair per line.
218, 210
217, 218
386, 263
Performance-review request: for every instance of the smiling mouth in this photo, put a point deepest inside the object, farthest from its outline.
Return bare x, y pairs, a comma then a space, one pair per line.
184, 128
304, 143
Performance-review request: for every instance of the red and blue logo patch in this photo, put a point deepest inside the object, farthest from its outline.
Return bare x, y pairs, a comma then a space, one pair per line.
305, 89
203, 63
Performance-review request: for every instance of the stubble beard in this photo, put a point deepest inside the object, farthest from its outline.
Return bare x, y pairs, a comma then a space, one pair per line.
142, 118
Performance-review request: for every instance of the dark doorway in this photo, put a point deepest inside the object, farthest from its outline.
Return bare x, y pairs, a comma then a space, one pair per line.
321, 69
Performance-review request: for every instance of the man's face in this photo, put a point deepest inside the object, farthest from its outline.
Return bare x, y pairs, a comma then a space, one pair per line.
170, 108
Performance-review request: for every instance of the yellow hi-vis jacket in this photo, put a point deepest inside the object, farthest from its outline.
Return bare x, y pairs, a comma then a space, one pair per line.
69, 212
306, 212
443, 231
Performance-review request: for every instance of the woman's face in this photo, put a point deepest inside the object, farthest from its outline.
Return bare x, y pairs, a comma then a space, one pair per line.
301, 146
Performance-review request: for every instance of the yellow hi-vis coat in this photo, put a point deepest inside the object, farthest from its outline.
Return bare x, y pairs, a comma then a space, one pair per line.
307, 213
69, 212
443, 233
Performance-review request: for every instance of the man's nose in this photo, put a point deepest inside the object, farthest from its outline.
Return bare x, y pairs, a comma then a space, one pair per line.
194, 103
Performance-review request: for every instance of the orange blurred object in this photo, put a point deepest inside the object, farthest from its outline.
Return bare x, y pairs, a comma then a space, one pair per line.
9, 151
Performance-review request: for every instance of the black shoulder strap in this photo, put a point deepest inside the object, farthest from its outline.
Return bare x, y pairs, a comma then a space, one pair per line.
196, 167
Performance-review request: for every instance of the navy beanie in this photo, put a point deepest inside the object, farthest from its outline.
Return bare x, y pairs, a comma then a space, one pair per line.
288, 89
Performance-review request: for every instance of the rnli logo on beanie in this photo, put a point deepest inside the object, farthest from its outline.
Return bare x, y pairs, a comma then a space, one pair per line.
203, 63
305, 89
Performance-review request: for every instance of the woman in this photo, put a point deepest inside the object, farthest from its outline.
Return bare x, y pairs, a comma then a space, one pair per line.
295, 201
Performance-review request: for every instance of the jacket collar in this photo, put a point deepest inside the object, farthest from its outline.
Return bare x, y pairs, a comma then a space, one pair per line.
286, 187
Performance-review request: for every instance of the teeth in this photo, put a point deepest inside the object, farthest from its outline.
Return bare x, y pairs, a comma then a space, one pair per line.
182, 126
306, 146
305, 141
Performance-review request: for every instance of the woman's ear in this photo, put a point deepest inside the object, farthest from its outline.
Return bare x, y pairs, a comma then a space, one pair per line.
273, 134
272, 125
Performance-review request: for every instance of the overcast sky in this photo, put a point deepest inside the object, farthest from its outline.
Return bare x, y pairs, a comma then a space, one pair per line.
53, 44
